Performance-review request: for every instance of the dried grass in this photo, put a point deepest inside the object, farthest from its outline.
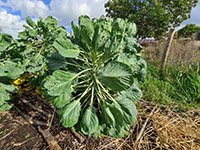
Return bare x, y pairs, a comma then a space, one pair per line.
161, 129
182, 53
176, 132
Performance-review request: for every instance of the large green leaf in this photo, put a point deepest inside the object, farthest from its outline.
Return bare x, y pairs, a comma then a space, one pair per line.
143, 72
118, 115
133, 93
122, 132
36, 64
58, 82
63, 98
50, 22
113, 115
5, 107
129, 109
7, 87
59, 85
23, 35
89, 122
116, 124
132, 46
100, 38
119, 26
87, 27
70, 114
10, 69
4, 97
30, 22
130, 60
131, 29
5, 41
117, 76
108, 116
136, 63
65, 47
55, 62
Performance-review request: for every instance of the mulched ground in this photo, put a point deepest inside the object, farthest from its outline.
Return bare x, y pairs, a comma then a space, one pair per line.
20, 129
32, 124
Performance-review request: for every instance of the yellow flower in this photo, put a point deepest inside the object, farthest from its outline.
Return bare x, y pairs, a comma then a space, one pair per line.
101, 136
19, 81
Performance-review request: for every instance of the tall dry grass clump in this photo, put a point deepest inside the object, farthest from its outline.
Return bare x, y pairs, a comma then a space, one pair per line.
183, 52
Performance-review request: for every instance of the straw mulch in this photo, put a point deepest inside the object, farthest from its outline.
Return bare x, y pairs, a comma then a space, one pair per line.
164, 129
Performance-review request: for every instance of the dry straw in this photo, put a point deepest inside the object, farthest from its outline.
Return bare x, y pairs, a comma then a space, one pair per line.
161, 129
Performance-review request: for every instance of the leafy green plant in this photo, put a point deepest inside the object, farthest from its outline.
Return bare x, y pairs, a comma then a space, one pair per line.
179, 88
92, 78
97, 85
5, 73
29, 54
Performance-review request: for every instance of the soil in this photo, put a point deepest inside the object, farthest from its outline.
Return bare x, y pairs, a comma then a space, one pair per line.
17, 134
20, 128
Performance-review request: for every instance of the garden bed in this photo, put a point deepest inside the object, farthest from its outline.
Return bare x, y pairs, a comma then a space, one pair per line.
35, 125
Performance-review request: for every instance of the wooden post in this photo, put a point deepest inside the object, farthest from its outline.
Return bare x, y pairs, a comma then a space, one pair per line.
166, 51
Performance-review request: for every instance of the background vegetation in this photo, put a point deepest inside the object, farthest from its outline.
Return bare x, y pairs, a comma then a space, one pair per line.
180, 85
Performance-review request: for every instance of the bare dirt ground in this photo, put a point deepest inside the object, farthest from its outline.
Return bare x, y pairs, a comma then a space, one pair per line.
32, 124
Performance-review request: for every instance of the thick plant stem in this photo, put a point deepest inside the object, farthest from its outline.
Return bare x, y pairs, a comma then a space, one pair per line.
166, 51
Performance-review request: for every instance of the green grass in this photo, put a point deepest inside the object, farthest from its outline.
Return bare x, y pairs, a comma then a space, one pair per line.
180, 87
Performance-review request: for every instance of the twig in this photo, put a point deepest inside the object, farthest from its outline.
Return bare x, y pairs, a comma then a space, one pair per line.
51, 141
6, 135
78, 136
50, 123
109, 144
144, 125
30, 120
21, 143
131, 130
